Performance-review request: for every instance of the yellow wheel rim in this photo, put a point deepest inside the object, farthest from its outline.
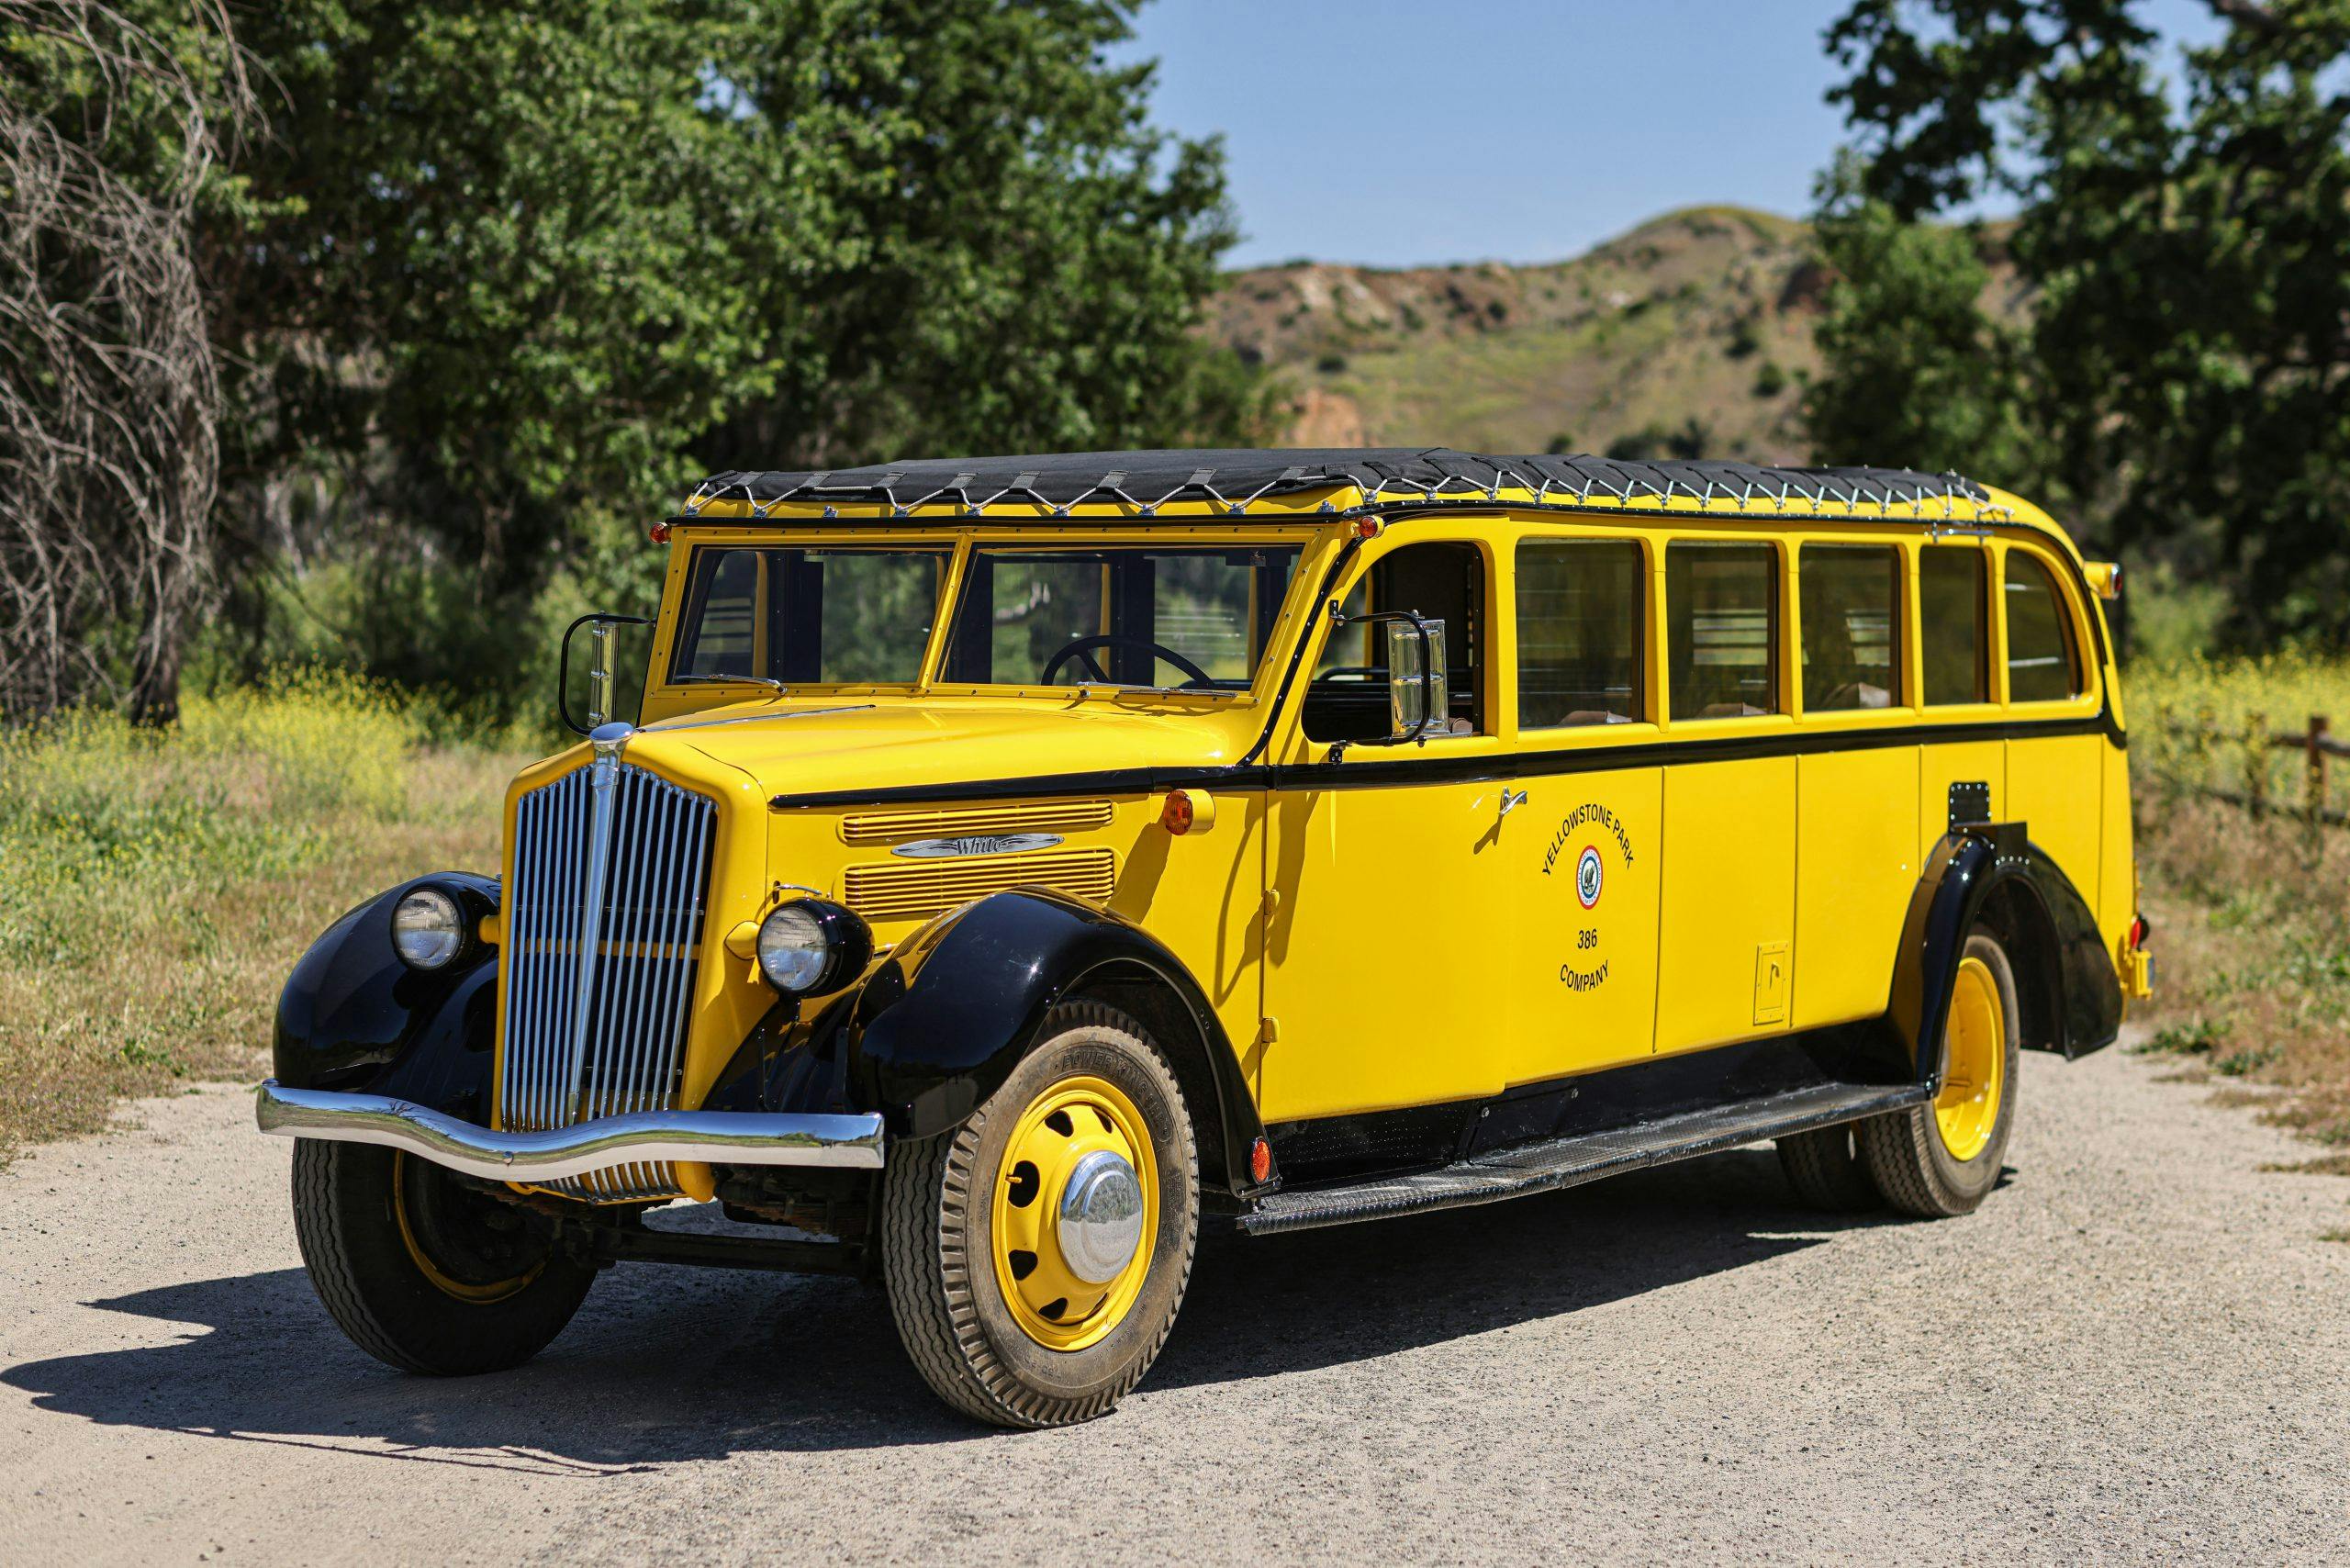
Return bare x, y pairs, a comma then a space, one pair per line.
442, 1280
1079, 1127
1975, 1062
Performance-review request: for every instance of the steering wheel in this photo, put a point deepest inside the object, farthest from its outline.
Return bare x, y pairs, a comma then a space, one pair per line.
1081, 649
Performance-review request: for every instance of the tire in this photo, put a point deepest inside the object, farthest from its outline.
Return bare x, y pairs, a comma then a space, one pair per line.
1825, 1167
1909, 1153
414, 1265
971, 1325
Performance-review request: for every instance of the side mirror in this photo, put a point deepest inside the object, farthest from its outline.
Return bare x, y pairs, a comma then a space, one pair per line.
1419, 696
599, 669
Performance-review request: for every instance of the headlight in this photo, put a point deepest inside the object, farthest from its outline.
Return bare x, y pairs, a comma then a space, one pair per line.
426, 929
810, 947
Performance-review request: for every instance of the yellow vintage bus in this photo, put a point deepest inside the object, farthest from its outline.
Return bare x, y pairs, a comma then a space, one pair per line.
1019, 862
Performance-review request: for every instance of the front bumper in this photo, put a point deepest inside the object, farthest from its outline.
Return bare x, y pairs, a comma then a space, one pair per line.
720, 1137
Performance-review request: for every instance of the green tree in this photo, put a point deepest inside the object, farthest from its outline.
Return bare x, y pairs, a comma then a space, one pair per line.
498, 282
1916, 371
2181, 245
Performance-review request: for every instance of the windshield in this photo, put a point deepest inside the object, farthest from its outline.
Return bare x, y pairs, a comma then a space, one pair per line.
821, 617
1117, 615
1136, 615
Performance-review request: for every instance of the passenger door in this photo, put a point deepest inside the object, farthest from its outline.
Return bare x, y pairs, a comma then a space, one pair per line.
2055, 784
1384, 931
1955, 635
1582, 851
1724, 961
1856, 803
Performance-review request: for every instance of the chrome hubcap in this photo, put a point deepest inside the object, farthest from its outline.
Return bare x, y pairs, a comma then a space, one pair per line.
1101, 1217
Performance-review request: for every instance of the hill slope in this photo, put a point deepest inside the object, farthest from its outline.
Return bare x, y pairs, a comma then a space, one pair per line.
1688, 336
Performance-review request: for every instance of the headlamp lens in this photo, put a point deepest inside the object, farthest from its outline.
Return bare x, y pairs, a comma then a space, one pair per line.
426, 929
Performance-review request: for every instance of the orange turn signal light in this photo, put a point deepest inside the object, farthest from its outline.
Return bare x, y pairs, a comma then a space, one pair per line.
1260, 1160
1186, 811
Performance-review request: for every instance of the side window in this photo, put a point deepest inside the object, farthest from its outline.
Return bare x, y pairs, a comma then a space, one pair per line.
2042, 666
1955, 624
1579, 614
1721, 622
1850, 625
1346, 699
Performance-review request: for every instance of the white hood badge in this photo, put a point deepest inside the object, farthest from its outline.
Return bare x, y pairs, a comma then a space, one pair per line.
976, 844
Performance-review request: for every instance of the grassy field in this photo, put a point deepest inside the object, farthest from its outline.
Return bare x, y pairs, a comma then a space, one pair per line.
2251, 912
158, 887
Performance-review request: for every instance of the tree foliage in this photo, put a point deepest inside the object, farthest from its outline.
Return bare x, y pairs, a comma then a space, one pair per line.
2177, 383
499, 280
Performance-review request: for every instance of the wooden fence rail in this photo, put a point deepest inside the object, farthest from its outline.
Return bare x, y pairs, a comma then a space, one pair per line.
2317, 744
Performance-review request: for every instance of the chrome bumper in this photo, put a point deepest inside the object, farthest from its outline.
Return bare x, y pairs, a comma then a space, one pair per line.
725, 1137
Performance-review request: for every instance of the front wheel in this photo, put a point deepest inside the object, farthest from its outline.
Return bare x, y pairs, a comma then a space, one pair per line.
1944, 1157
1035, 1256
423, 1271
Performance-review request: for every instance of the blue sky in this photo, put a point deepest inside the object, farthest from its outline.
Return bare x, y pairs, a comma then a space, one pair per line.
1396, 134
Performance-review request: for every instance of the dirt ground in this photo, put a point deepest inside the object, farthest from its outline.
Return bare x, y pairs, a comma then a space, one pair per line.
2139, 1349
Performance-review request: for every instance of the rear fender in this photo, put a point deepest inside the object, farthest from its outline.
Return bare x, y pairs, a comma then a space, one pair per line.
1996, 870
353, 1017
939, 1024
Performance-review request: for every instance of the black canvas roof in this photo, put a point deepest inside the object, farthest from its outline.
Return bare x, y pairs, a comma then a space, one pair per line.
1152, 479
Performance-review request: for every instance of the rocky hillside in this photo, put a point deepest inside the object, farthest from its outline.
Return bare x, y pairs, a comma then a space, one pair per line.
1689, 335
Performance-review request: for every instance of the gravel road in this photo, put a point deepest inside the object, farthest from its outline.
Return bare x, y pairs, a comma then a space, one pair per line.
2139, 1349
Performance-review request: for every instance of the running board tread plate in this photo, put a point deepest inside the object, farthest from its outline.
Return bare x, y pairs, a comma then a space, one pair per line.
1569, 1161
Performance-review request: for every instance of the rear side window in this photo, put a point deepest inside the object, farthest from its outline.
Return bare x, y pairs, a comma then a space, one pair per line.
1721, 614
2042, 665
1579, 633
1849, 592
1955, 624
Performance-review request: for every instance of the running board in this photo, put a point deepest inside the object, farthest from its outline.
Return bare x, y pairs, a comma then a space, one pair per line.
1555, 1163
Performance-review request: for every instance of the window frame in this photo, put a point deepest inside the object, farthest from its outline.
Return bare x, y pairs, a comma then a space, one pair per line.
1986, 646
1906, 682
1497, 689
2071, 617
1645, 702
1780, 638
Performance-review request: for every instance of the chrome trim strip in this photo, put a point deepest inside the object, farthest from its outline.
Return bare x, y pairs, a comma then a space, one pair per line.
840, 1142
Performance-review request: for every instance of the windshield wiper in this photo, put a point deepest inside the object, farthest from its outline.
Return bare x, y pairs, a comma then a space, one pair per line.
768, 681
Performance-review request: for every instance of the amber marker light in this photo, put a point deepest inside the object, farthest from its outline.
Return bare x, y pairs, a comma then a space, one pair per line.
1260, 1160
1366, 527
1187, 813
660, 532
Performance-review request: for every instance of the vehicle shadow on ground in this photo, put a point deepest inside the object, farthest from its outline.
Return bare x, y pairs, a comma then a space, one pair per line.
667, 1364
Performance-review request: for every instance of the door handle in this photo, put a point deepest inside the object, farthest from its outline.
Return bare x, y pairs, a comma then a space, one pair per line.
1512, 800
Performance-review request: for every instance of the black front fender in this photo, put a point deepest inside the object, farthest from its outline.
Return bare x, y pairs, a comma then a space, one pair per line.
1968, 874
939, 1024
353, 1017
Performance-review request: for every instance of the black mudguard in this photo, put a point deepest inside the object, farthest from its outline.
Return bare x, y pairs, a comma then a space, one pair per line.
2083, 997
353, 1017
939, 1024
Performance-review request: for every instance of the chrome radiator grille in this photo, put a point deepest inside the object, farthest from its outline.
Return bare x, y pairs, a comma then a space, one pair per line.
603, 922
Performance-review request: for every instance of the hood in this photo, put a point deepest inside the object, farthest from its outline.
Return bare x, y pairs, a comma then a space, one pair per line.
821, 748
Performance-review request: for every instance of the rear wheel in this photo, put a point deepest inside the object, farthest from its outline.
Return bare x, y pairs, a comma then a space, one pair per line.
1036, 1256
424, 1272
1943, 1158
1825, 1167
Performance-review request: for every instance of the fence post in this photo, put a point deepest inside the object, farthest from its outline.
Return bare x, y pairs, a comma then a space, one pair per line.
2255, 764
2315, 784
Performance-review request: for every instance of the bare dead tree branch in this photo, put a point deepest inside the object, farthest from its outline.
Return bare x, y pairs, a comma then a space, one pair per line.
109, 392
